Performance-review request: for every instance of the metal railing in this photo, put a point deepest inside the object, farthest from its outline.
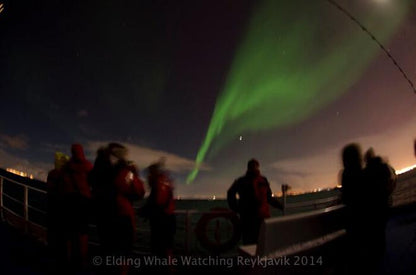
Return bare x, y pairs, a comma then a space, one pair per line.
189, 216
330, 201
24, 203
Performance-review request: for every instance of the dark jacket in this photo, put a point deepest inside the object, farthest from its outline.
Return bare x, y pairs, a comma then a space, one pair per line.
255, 196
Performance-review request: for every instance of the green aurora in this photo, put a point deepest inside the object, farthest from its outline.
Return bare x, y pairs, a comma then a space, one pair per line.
295, 58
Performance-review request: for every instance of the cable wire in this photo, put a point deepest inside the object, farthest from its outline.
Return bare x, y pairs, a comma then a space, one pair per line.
349, 15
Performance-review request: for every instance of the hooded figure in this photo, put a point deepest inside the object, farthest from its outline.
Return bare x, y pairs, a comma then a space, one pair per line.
76, 201
77, 173
255, 196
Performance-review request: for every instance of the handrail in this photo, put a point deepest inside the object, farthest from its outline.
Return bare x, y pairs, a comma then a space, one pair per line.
308, 214
312, 203
27, 206
37, 209
335, 200
12, 198
14, 213
24, 185
25, 202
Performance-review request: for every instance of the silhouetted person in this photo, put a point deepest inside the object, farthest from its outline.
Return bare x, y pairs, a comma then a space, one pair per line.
159, 208
54, 182
76, 202
129, 187
253, 204
353, 194
352, 180
101, 179
116, 185
381, 180
414, 145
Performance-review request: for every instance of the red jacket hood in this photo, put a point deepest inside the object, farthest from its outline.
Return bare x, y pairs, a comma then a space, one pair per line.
77, 152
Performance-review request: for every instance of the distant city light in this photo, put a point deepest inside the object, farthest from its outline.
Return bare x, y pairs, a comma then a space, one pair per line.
19, 173
406, 169
1, 7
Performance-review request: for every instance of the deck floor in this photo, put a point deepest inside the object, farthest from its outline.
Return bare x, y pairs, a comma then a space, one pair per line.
19, 254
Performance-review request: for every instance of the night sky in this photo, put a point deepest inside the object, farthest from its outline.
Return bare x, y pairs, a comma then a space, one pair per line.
208, 83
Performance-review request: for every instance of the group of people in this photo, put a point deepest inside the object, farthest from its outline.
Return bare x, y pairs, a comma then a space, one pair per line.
367, 183
80, 193
110, 186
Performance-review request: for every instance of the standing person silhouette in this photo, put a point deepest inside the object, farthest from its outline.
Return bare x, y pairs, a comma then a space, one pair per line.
159, 208
353, 195
381, 180
76, 201
128, 188
54, 218
415, 147
116, 184
254, 197
352, 182
103, 190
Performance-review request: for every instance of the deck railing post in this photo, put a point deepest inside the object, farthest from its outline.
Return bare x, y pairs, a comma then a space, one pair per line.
26, 207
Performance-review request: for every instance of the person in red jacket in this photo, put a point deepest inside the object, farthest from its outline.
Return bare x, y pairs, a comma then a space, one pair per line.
255, 196
115, 186
127, 187
76, 200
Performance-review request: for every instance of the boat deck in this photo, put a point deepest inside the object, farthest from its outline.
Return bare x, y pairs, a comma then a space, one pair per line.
20, 254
